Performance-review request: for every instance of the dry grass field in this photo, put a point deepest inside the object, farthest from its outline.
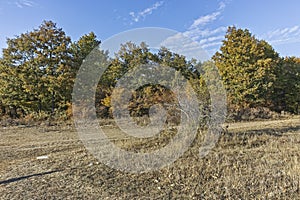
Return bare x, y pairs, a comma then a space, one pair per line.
253, 160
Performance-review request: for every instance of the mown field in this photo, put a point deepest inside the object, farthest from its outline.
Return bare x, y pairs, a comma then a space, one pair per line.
253, 160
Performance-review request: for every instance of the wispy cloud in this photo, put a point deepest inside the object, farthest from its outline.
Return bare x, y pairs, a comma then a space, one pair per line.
283, 35
184, 45
203, 20
199, 41
136, 16
222, 5
203, 33
24, 3
209, 39
206, 19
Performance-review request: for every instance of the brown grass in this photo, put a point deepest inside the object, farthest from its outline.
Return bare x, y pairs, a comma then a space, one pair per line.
253, 160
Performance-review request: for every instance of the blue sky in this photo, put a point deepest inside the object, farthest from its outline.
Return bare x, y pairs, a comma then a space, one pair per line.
206, 21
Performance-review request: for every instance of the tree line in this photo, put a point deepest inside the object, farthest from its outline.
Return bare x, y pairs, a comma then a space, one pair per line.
38, 70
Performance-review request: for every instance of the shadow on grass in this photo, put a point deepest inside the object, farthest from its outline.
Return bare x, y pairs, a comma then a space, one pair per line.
28, 176
277, 132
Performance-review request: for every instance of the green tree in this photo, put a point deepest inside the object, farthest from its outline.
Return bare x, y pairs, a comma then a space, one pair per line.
287, 87
36, 68
248, 67
128, 57
83, 47
132, 56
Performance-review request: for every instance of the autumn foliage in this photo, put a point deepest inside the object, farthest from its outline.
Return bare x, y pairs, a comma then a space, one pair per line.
38, 69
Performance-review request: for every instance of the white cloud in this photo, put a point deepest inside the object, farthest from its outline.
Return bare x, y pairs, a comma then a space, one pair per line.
148, 11
25, 3
181, 44
203, 20
197, 34
209, 39
283, 35
211, 44
206, 19
222, 5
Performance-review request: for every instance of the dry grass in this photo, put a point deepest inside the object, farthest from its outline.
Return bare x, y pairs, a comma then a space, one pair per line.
254, 160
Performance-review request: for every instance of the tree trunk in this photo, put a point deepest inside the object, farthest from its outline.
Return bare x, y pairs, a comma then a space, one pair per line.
13, 112
53, 103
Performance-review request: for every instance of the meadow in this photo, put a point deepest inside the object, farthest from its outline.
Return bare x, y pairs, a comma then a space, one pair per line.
252, 160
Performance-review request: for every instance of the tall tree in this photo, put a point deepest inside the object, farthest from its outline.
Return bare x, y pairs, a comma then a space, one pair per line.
248, 67
287, 87
82, 48
37, 66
